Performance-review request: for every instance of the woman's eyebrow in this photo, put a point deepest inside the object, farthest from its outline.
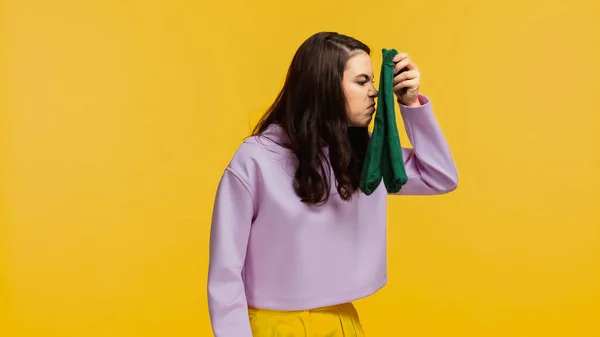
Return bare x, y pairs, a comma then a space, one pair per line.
367, 77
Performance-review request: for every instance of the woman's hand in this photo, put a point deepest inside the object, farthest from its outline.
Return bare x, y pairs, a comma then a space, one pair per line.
406, 83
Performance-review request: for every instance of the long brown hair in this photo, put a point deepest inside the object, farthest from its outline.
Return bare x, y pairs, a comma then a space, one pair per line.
311, 109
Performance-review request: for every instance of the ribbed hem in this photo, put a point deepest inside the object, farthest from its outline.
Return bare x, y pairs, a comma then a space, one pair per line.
291, 303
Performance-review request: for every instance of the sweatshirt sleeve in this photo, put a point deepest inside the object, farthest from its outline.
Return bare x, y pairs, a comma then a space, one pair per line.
230, 229
429, 165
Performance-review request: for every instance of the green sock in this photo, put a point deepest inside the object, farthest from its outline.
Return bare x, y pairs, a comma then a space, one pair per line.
384, 152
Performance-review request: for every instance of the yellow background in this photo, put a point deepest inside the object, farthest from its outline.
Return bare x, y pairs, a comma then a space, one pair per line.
118, 118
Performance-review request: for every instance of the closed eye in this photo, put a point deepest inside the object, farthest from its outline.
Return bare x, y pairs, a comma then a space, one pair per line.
367, 81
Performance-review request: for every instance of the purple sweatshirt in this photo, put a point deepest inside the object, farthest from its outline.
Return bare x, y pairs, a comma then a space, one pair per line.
269, 250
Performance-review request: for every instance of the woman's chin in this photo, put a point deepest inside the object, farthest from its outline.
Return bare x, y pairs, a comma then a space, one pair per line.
363, 123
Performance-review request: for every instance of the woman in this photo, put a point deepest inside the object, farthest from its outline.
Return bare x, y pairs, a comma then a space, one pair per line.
293, 240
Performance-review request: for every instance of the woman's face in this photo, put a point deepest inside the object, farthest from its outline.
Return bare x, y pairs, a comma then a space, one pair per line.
359, 90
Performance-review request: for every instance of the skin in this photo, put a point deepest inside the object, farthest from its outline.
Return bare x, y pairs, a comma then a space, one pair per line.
359, 88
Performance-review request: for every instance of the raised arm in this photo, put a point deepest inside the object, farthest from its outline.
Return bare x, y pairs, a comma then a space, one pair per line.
230, 229
429, 164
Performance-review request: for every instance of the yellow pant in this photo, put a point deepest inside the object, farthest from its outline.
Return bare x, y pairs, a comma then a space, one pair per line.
334, 321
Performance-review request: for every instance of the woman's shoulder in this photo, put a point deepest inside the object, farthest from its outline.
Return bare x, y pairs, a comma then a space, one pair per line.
259, 152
